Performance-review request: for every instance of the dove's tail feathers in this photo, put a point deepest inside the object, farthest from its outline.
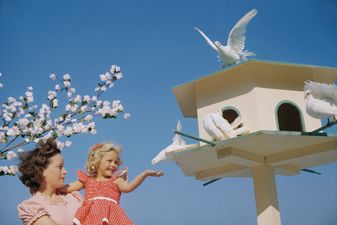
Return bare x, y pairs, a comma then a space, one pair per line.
245, 54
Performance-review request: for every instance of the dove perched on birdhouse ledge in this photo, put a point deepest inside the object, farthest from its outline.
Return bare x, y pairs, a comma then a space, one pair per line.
178, 143
321, 100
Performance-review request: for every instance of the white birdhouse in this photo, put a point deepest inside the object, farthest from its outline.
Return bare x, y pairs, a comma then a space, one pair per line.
267, 95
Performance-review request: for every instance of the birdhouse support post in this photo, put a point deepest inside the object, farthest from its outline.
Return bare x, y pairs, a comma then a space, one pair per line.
267, 208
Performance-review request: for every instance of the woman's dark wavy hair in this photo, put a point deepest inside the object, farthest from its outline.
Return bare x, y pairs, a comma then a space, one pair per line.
34, 162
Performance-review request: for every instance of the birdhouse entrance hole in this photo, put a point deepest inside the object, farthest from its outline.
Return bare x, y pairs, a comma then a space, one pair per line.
230, 114
289, 118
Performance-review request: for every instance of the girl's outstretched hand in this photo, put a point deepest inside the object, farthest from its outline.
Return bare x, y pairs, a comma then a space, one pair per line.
154, 173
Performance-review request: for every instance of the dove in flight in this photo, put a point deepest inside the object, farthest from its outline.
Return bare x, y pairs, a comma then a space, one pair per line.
177, 143
233, 52
321, 100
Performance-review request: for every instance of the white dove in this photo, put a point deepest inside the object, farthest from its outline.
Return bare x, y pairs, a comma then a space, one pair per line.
217, 126
321, 100
233, 52
177, 143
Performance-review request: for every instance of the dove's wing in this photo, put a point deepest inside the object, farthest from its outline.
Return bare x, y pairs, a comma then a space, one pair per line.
322, 90
237, 122
210, 127
207, 39
321, 108
223, 125
236, 38
178, 139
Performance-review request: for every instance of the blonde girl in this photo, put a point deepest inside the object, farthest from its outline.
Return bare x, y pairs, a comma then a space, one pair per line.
103, 186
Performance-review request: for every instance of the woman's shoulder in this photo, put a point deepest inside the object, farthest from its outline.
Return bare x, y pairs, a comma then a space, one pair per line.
31, 209
33, 200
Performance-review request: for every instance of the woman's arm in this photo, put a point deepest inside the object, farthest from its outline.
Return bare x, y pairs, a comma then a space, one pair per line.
74, 186
44, 220
128, 187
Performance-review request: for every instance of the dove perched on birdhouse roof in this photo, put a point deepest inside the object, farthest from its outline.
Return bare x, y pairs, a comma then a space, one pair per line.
233, 52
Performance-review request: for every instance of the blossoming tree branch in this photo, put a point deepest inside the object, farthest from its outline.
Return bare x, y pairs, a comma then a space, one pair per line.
23, 122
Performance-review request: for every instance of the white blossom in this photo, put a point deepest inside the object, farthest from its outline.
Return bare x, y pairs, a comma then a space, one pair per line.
66, 83
23, 122
86, 98
68, 131
68, 107
7, 117
55, 103
11, 155
126, 116
60, 145
13, 169
29, 96
78, 99
103, 77
2, 137
52, 76
84, 108
115, 69
74, 108
11, 99
13, 131
51, 95
119, 76
69, 94
9, 169
60, 129
67, 143
99, 103
78, 127
66, 76
88, 118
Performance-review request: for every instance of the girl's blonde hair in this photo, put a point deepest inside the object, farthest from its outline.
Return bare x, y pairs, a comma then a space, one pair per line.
95, 155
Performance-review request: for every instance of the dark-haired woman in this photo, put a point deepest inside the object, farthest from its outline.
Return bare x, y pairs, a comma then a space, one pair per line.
42, 170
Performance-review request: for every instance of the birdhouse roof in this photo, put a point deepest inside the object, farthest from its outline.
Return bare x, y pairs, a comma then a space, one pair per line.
252, 74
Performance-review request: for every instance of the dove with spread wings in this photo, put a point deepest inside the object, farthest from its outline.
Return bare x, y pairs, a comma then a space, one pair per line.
233, 52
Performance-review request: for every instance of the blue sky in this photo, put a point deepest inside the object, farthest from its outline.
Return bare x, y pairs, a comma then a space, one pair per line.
157, 48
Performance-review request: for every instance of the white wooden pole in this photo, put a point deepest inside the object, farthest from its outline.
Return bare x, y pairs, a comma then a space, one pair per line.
267, 208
